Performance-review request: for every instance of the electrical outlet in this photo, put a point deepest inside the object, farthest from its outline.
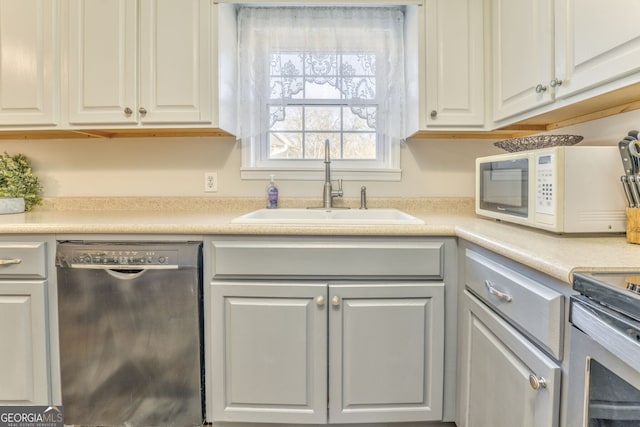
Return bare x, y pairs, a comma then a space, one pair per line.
210, 182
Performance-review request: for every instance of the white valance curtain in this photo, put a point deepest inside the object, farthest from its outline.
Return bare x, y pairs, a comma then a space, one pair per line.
356, 50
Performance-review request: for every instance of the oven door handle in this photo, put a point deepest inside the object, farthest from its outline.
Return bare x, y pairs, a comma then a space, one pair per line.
618, 334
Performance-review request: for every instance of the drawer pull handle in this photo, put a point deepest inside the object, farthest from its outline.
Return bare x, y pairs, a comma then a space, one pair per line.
10, 261
537, 383
320, 300
335, 301
499, 294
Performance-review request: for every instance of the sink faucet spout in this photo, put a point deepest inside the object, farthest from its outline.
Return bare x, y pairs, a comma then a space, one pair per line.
328, 193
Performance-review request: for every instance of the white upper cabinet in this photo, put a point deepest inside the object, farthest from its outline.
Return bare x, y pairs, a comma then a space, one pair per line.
28, 62
102, 61
522, 57
454, 63
597, 42
145, 62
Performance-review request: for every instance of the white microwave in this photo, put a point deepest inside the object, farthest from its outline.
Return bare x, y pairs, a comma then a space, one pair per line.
561, 189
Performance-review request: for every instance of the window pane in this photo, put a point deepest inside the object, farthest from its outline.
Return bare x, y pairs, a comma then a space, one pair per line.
318, 65
314, 145
358, 64
359, 88
327, 89
359, 146
285, 145
322, 118
353, 121
298, 131
286, 87
286, 64
286, 118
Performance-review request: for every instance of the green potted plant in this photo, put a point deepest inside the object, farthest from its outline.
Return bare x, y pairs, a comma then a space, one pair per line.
19, 187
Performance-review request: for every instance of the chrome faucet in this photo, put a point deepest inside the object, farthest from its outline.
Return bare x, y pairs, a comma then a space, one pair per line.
329, 193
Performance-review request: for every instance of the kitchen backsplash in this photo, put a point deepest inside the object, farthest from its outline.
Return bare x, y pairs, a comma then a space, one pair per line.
159, 167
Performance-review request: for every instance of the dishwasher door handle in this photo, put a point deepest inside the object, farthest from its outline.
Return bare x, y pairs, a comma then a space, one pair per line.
123, 267
125, 274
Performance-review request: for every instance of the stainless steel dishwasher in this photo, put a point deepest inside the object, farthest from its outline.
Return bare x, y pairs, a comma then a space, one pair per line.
131, 333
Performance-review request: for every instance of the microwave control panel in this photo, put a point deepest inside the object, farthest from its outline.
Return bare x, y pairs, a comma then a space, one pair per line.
545, 184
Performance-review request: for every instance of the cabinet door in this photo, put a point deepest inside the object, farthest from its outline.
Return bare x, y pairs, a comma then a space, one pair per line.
596, 42
455, 63
522, 55
497, 371
24, 376
102, 61
175, 61
28, 62
386, 351
269, 349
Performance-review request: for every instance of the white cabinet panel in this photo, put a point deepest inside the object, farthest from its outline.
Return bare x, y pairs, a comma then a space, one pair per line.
522, 42
139, 62
24, 376
28, 62
454, 63
596, 41
175, 68
102, 61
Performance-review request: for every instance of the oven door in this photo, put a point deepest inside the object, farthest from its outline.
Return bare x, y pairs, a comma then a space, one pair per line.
604, 367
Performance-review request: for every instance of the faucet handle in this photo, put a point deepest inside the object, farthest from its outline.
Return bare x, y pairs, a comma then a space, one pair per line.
338, 192
363, 197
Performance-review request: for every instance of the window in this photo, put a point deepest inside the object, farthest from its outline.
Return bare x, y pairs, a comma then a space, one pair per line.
312, 74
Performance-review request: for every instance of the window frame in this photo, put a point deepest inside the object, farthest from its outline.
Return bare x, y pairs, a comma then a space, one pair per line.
257, 164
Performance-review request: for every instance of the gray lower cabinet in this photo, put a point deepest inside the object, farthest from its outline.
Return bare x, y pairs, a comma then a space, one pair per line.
271, 340
24, 366
510, 344
269, 352
499, 374
385, 352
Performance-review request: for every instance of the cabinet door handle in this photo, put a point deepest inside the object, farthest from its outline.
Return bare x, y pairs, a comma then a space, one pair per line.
499, 294
142, 111
433, 114
555, 82
10, 261
320, 300
540, 88
128, 111
537, 383
335, 301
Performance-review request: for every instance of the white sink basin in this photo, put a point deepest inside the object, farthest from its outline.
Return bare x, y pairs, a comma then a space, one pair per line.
328, 217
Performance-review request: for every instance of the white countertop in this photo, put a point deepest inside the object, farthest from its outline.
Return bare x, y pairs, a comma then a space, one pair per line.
556, 255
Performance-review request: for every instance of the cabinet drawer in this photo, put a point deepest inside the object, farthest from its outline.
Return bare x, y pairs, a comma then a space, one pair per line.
22, 260
536, 309
328, 258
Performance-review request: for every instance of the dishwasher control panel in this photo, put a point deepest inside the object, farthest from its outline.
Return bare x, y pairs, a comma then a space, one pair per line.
124, 257
128, 255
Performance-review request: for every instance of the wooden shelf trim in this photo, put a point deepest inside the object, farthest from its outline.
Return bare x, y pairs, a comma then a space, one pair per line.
113, 133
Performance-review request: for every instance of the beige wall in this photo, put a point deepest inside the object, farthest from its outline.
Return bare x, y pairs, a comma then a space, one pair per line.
176, 166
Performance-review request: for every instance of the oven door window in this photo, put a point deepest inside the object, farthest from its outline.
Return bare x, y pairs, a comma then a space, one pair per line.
504, 186
613, 402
